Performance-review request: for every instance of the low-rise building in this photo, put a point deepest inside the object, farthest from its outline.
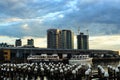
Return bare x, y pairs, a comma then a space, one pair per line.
20, 54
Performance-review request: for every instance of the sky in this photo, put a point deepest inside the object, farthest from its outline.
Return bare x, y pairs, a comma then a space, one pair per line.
27, 19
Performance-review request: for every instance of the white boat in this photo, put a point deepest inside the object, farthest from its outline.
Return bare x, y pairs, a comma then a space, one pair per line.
43, 57
80, 59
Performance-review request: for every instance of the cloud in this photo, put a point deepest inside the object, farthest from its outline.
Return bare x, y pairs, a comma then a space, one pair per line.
7, 39
25, 27
105, 42
31, 18
29, 9
100, 17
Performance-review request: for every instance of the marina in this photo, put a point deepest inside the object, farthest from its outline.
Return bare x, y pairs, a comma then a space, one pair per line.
43, 58
57, 64
59, 71
60, 40
78, 59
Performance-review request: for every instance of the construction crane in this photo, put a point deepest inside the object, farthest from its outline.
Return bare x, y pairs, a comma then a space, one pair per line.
87, 32
78, 30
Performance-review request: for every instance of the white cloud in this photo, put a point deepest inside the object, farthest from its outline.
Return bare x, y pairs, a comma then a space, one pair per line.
14, 19
53, 16
7, 39
73, 5
61, 16
41, 42
25, 27
105, 42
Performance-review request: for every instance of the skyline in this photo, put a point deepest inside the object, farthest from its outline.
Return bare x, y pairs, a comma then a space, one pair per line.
95, 40
30, 19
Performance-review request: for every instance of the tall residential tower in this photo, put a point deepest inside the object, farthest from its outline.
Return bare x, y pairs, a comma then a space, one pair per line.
30, 42
67, 38
53, 38
18, 42
60, 39
82, 41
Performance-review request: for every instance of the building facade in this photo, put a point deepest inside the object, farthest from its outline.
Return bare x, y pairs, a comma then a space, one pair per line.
20, 54
53, 38
60, 39
67, 37
30, 42
82, 41
18, 42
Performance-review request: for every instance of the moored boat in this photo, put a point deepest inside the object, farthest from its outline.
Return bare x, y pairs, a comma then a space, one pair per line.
43, 58
80, 59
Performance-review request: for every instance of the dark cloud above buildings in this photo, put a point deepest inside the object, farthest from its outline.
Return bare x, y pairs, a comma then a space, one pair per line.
19, 18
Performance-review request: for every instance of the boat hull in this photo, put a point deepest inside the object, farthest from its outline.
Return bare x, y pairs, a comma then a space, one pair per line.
84, 61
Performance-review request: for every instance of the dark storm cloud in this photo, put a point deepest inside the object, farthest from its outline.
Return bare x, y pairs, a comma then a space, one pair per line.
33, 18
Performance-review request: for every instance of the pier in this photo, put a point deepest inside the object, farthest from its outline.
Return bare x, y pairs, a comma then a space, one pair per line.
57, 71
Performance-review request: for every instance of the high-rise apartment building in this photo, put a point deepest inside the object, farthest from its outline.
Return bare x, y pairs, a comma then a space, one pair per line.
67, 38
53, 38
30, 42
82, 41
18, 42
60, 39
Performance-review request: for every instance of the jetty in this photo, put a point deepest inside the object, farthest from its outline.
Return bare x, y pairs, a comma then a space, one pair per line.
57, 71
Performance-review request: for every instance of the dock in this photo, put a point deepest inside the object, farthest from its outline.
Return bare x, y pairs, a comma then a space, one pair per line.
57, 71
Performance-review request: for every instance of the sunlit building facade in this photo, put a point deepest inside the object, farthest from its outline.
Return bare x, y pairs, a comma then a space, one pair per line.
53, 38
60, 39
